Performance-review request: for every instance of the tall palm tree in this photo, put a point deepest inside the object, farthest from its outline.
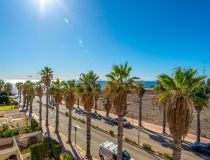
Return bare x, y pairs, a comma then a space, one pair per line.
86, 90
19, 87
39, 92
139, 90
46, 78
208, 82
119, 85
161, 101
30, 94
78, 94
200, 102
180, 90
107, 100
24, 96
56, 90
1, 85
97, 93
69, 97
8, 88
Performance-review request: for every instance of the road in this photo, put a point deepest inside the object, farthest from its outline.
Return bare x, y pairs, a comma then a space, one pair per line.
158, 141
97, 137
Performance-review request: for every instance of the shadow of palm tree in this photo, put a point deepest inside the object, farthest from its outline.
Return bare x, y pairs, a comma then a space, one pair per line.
76, 155
60, 141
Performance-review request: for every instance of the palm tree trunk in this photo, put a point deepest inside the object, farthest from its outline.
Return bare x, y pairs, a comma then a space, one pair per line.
140, 112
24, 102
177, 149
88, 155
27, 102
78, 102
120, 137
198, 126
164, 119
20, 97
96, 105
30, 109
107, 113
47, 106
70, 125
57, 119
40, 111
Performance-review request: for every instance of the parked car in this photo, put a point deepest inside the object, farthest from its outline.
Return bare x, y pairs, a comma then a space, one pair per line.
201, 147
96, 116
79, 111
109, 120
125, 122
108, 151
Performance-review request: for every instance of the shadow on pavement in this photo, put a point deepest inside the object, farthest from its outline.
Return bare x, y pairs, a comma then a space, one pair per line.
75, 152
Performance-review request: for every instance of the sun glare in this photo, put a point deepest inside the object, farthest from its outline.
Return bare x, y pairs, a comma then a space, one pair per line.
47, 5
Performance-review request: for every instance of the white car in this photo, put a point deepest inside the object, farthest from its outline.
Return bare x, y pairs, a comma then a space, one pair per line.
108, 151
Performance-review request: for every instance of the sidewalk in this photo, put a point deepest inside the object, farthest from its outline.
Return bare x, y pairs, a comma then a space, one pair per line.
153, 127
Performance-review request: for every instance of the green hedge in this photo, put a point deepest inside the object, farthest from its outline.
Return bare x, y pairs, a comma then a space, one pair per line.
9, 133
40, 151
66, 156
56, 150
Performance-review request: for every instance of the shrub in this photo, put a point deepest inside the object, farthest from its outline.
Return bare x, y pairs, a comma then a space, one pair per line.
5, 126
12, 101
147, 147
55, 147
34, 125
130, 140
10, 133
66, 156
40, 150
4, 99
26, 130
56, 150
167, 156
111, 132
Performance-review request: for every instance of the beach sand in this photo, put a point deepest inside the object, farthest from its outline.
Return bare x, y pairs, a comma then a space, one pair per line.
153, 114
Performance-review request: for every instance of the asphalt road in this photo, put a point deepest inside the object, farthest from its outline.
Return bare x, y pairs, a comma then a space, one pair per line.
97, 136
157, 141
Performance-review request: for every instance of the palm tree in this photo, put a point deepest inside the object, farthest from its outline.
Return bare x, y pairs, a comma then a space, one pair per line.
46, 78
8, 88
139, 90
56, 90
69, 97
86, 90
24, 96
97, 93
180, 90
161, 101
1, 85
39, 92
19, 87
78, 94
200, 102
119, 85
208, 82
30, 94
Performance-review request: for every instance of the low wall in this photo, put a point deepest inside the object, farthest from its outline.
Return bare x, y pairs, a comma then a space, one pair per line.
6, 141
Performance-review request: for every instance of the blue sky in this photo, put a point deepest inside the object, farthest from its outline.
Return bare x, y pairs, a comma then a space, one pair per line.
74, 36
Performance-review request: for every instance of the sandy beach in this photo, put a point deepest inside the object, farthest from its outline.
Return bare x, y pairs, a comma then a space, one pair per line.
152, 114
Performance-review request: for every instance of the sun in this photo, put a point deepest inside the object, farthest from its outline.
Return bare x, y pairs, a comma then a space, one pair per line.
50, 5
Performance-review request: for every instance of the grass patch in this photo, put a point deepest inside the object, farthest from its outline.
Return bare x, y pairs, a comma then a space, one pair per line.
5, 108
